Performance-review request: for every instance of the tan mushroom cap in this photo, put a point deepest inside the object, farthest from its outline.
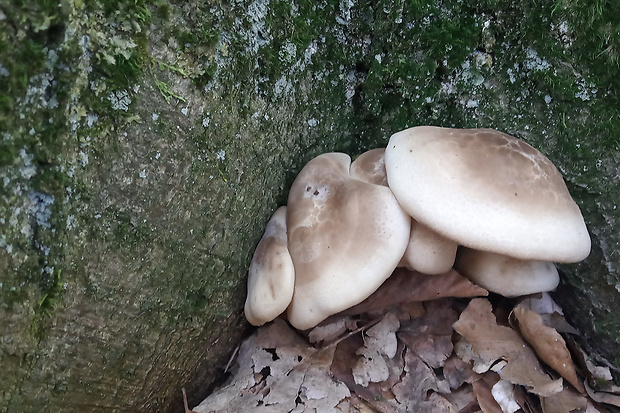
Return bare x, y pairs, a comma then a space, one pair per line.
427, 251
345, 237
370, 167
271, 278
486, 190
508, 276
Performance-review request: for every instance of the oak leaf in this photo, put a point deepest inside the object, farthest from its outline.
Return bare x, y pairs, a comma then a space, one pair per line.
493, 343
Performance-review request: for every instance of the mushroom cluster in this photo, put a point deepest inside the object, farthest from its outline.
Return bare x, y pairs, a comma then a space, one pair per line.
478, 200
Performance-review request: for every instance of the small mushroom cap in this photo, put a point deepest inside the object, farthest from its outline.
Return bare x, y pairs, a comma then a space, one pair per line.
508, 276
345, 237
486, 190
271, 278
427, 251
370, 167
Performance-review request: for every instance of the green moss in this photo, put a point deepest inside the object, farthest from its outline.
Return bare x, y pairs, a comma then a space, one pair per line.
54, 288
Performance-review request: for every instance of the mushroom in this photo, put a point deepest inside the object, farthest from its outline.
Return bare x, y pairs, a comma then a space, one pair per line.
345, 237
508, 276
370, 167
488, 191
271, 277
427, 251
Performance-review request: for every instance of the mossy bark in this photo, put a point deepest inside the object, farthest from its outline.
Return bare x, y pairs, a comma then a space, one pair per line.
144, 147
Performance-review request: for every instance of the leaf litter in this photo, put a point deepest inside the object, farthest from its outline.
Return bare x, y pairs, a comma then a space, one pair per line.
421, 344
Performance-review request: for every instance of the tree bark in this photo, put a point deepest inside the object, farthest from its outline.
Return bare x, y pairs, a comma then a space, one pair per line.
144, 146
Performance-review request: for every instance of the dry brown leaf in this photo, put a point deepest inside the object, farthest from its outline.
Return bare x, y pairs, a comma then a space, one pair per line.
276, 370
463, 399
417, 392
380, 346
603, 397
566, 401
492, 342
405, 286
376, 395
482, 390
550, 312
430, 336
328, 332
504, 394
548, 344
457, 372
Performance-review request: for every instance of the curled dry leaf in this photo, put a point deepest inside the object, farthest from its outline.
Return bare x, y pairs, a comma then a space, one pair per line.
406, 286
482, 390
548, 344
603, 397
492, 342
550, 312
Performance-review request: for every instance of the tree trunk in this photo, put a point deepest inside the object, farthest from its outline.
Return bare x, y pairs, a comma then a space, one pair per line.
145, 145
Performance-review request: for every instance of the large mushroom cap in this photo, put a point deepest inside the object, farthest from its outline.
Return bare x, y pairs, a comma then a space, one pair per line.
345, 237
508, 276
486, 190
271, 278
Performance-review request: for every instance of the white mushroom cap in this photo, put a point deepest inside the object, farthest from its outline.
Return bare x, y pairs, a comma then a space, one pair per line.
345, 237
370, 167
427, 251
486, 190
505, 275
271, 277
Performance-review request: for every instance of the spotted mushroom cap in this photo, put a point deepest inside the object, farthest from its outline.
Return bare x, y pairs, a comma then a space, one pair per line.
486, 190
345, 237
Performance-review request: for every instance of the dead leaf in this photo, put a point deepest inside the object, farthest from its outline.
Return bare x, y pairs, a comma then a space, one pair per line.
430, 336
278, 371
406, 286
548, 344
185, 406
550, 312
504, 394
463, 399
376, 395
417, 392
482, 390
492, 342
457, 372
603, 397
328, 332
565, 401
380, 345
